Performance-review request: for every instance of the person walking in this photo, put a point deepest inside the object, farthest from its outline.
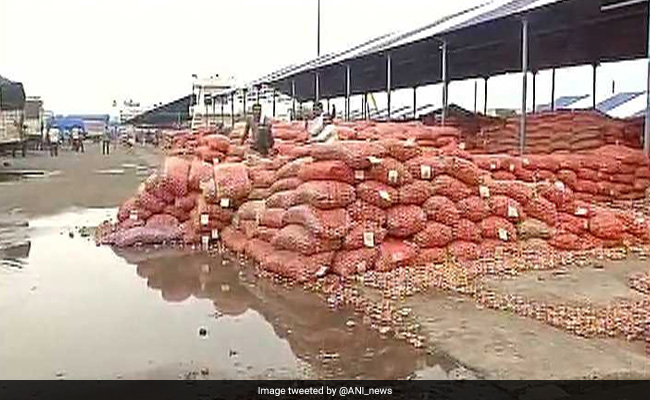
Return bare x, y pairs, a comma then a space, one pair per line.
54, 137
260, 128
106, 142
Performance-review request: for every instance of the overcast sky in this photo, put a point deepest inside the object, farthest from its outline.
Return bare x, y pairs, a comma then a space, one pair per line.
79, 55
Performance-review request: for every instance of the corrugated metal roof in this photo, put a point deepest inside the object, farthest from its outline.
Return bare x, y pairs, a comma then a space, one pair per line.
616, 100
562, 102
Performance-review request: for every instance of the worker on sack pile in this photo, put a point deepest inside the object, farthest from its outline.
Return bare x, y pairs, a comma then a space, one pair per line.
262, 136
320, 128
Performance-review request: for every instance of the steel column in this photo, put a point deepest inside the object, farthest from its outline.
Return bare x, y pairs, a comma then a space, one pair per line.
553, 89
232, 109
274, 93
244, 103
293, 99
485, 94
475, 94
223, 116
524, 84
389, 70
317, 88
347, 92
593, 88
534, 89
646, 136
414, 101
328, 105
445, 84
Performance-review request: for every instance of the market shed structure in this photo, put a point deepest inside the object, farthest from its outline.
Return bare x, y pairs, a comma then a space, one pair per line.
173, 113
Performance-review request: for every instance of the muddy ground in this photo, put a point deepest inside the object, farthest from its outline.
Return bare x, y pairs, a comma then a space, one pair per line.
69, 309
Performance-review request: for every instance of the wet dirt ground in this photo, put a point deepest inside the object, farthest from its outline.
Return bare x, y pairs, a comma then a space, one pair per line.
72, 310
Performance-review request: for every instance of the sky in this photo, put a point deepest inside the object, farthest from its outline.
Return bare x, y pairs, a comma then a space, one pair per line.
80, 55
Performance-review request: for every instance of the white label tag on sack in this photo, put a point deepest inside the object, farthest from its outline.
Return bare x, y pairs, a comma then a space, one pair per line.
525, 162
503, 234
359, 175
493, 166
374, 160
511, 167
384, 195
215, 161
512, 212
462, 146
225, 203
410, 142
369, 239
322, 271
397, 256
392, 176
559, 185
205, 241
133, 216
215, 234
581, 211
205, 219
425, 171
484, 191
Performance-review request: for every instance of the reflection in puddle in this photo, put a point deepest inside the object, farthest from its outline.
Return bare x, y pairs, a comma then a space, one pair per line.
80, 311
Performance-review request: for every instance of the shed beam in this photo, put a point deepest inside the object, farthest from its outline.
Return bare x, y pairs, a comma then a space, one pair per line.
524, 84
415, 102
347, 92
445, 84
553, 89
593, 87
388, 81
485, 95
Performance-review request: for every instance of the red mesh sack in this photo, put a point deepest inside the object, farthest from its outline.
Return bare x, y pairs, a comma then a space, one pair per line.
186, 203
150, 202
489, 247
390, 172
404, 220
445, 185
364, 234
361, 211
425, 167
327, 224
326, 194
352, 262
541, 162
272, 217
378, 194
605, 225
248, 228
261, 178
505, 207
180, 214
285, 184
284, 199
466, 231
642, 172
434, 234
132, 209
298, 238
251, 210
291, 168
265, 233
584, 186
176, 172
128, 224
200, 171
356, 153
258, 249
566, 241
569, 178
393, 254
518, 191
233, 239
296, 266
401, 150
259, 194
441, 209
216, 142
144, 235
333, 170
498, 228
160, 187
231, 181
464, 170
504, 176
434, 132
557, 193
431, 256
473, 208
589, 174
543, 210
206, 154
214, 211
415, 193
572, 224
464, 251
162, 221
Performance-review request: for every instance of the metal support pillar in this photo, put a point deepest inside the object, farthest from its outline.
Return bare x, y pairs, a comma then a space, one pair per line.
244, 103
258, 95
363, 106
347, 92
524, 84
475, 94
534, 89
593, 87
328, 106
232, 109
293, 99
485, 94
222, 100
415, 101
646, 133
445, 84
553, 89
317, 88
389, 72
274, 94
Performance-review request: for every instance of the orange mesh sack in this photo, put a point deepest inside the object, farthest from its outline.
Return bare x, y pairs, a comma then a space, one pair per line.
364, 234
426, 167
231, 181
327, 224
431, 256
473, 208
285, 184
415, 193
150, 202
200, 171
395, 253
464, 251
326, 194
467, 231
272, 217
498, 228
296, 266
441, 209
352, 262
378, 194
361, 211
434, 234
605, 225
404, 221
543, 210
505, 207
177, 171
298, 238
283, 200
265, 233
261, 178
390, 172
334, 170
401, 150
445, 185
233, 239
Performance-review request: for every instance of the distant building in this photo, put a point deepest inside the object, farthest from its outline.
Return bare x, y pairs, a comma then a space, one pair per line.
34, 117
204, 109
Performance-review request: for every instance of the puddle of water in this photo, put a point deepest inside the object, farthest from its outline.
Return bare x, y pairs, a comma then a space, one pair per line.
78, 311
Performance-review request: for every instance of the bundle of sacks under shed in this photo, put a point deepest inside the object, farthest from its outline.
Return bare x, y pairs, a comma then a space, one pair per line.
382, 197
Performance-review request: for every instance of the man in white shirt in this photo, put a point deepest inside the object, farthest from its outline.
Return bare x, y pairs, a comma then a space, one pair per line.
54, 136
320, 128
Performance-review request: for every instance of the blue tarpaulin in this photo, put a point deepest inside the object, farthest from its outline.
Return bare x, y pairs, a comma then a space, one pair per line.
66, 123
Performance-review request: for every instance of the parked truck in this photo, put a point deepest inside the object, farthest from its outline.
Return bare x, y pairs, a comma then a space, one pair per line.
12, 117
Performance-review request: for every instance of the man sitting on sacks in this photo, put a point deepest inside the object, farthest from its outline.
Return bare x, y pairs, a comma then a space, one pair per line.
321, 128
262, 136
